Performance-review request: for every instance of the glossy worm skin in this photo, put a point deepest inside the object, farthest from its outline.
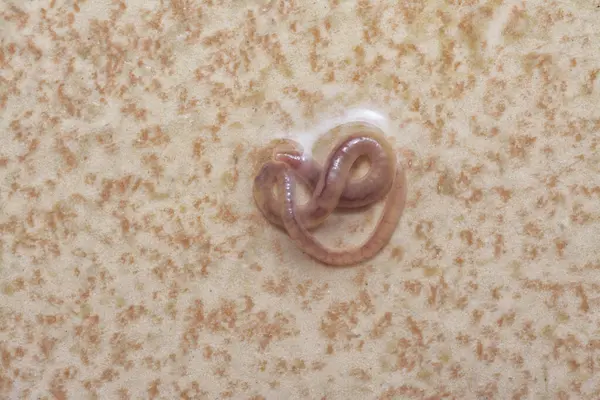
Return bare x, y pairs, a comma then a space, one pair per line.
332, 187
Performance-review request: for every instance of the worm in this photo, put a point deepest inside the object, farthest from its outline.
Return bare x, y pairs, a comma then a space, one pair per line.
332, 187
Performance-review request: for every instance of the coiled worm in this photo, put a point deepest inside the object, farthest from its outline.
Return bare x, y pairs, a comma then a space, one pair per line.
332, 187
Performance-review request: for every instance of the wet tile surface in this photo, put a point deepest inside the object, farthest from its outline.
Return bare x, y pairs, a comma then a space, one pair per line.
133, 263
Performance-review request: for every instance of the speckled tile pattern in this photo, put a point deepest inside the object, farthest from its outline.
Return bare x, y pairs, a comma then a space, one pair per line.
134, 265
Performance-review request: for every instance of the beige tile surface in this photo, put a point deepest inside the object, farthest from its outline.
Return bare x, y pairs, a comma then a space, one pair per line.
134, 264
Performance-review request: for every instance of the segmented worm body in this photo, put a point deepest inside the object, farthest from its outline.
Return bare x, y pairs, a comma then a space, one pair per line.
332, 187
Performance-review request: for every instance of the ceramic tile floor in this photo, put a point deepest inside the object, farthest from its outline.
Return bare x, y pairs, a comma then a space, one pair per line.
134, 264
